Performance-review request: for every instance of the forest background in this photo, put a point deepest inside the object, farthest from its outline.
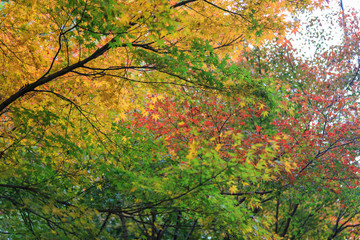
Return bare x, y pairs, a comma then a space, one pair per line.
191, 119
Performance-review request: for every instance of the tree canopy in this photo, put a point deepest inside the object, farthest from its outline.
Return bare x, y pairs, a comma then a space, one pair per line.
164, 119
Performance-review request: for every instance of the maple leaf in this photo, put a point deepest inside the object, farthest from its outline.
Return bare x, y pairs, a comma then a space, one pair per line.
265, 113
261, 106
145, 113
258, 128
218, 147
295, 30
242, 103
155, 116
233, 189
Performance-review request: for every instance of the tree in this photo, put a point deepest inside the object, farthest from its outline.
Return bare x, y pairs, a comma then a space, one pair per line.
76, 73
292, 170
320, 195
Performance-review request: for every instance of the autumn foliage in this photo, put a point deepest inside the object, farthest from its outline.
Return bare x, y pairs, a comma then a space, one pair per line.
190, 119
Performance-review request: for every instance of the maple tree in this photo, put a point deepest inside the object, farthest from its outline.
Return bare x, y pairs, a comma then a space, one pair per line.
173, 120
320, 197
302, 177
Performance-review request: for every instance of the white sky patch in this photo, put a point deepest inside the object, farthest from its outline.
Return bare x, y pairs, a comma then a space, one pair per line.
329, 32
351, 4
311, 34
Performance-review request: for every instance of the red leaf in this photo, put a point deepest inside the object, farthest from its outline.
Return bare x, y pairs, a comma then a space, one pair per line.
258, 128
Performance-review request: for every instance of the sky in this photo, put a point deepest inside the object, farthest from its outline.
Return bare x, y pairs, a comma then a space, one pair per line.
351, 3
299, 41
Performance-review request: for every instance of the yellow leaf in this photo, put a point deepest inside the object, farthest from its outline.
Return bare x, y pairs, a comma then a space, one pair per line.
245, 184
288, 166
233, 189
261, 106
265, 113
181, 123
218, 147
242, 103
145, 113
121, 116
192, 152
153, 100
155, 117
